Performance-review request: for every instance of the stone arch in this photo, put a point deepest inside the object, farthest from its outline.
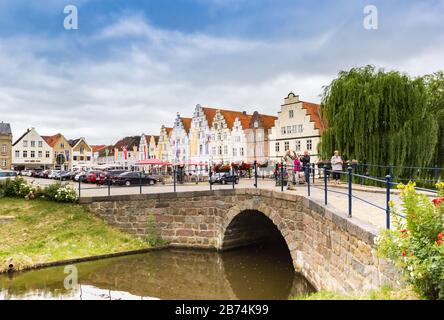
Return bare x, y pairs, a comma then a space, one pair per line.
260, 206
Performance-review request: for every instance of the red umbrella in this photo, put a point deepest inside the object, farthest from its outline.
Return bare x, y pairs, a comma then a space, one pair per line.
152, 162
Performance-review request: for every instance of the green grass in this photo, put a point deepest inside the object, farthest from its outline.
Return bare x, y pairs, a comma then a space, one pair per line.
45, 231
384, 293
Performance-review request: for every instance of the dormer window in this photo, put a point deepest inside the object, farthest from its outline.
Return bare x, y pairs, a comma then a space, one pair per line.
291, 114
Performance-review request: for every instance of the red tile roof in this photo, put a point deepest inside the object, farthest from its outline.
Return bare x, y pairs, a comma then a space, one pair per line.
96, 148
314, 111
230, 117
52, 140
186, 124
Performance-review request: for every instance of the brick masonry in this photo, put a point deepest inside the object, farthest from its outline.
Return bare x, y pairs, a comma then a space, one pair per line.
332, 251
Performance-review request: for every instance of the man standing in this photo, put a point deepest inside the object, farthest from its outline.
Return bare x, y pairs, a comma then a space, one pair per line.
336, 164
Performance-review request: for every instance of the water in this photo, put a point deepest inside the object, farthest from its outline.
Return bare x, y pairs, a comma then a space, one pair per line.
259, 272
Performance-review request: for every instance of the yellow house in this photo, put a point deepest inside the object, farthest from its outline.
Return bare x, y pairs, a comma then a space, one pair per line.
154, 150
5, 146
62, 151
81, 154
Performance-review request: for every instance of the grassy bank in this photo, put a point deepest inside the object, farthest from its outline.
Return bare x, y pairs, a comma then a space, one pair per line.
385, 293
45, 231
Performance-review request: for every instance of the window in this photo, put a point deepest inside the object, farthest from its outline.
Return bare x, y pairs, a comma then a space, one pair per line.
287, 146
309, 144
237, 139
297, 146
226, 150
32, 154
220, 150
289, 129
242, 151
300, 128
219, 137
225, 137
3, 163
81, 158
32, 144
200, 149
17, 154
213, 151
48, 154
40, 154
294, 128
25, 154
290, 114
40, 144
82, 150
74, 158
215, 126
25, 143
62, 145
4, 148
284, 130
276, 147
234, 152
88, 158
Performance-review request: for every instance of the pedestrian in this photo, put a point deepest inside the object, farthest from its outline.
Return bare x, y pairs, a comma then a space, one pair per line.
336, 165
305, 159
297, 168
288, 160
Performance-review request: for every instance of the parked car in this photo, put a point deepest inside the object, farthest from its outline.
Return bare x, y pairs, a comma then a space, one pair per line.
7, 174
80, 176
92, 176
26, 173
53, 174
224, 178
111, 175
134, 178
44, 174
67, 175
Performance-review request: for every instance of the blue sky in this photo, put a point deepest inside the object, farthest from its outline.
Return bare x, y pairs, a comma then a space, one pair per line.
139, 62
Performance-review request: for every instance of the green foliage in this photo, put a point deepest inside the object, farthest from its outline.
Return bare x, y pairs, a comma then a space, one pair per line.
379, 117
415, 244
151, 231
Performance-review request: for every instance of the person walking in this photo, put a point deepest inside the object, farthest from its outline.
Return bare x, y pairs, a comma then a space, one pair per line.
297, 168
336, 165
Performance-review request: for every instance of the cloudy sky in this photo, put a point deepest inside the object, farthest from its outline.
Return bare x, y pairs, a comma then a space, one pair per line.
132, 65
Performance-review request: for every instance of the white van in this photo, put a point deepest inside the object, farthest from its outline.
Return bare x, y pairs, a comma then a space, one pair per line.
7, 174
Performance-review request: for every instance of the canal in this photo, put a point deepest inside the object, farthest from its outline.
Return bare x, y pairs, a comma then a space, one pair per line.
263, 271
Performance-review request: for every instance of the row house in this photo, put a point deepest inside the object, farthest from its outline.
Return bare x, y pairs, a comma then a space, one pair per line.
32, 151
298, 127
62, 151
81, 154
180, 140
126, 152
163, 144
148, 147
257, 135
5, 146
95, 153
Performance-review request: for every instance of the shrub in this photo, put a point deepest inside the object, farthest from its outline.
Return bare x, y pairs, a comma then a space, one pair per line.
415, 244
66, 193
50, 191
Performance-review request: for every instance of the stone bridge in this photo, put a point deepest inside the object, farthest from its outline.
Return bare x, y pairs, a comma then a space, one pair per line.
332, 251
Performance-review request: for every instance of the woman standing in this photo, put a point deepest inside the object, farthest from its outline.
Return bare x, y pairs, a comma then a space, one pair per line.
297, 168
336, 165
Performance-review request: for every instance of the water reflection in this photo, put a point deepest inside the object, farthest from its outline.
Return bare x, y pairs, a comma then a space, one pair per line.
259, 272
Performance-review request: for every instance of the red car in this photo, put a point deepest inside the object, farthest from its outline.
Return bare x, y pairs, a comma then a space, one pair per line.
91, 177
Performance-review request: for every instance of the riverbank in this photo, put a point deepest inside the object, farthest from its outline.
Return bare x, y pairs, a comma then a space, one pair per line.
384, 293
41, 232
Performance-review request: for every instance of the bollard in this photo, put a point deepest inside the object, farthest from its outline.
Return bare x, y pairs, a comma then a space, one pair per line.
349, 169
388, 179
233, 177
140, 182
307, 177
255, 174
109, 186
80, 179
313, 172
210, 174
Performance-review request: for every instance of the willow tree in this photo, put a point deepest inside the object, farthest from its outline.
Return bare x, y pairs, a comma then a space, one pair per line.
379, 118
435, 92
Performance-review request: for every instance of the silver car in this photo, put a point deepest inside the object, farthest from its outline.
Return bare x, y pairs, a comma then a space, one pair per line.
7, 174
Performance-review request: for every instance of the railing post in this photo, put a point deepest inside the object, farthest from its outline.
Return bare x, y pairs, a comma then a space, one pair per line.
436, 173
325, 185
388, 179
255, 174
349, 169
313, 171
210, 174
360, 172
174, 177
80, 182
233, 177
282, 176
140, 182
307, 176
109, 186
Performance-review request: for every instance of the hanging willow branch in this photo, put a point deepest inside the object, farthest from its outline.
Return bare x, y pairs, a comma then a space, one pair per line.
379, 117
